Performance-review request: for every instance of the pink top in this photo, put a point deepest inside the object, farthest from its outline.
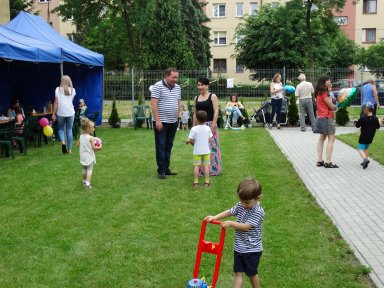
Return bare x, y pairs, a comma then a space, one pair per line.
323, 111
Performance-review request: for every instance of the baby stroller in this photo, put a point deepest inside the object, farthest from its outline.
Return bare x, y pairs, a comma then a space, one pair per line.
263, 114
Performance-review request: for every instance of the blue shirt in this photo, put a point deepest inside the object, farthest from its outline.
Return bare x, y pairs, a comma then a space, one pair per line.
368, 94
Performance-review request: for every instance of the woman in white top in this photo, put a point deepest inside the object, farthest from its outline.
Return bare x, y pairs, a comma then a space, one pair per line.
63, 108
277, 95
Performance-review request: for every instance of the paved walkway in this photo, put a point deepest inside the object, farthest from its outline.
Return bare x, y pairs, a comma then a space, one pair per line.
352, 197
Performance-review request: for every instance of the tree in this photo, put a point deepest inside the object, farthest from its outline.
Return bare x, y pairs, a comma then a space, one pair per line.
142, 33
198, 34
268, 43
15, 6
372, 57
133, 15
168, 45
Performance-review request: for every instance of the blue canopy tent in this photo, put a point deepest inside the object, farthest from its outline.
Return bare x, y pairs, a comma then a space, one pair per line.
16, 49
83, 66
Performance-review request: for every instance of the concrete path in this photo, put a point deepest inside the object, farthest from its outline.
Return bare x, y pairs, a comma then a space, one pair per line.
351, 196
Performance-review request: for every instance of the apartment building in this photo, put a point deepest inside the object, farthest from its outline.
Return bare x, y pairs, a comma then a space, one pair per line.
44, 8
225, 16
363, 21
4, 11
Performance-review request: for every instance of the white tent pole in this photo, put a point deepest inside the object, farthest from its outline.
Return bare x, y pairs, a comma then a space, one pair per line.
61, 69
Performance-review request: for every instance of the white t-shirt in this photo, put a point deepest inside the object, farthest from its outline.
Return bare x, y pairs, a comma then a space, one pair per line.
304, 90
280, 94
87, 154
65, 103
201, 134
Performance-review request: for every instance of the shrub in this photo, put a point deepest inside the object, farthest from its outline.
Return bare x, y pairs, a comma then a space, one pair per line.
293, 112
114, 119
342, 116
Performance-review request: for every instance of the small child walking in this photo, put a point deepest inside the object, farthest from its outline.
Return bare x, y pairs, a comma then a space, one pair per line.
87, 148
368, 124
200, 136
248, 225
185, 117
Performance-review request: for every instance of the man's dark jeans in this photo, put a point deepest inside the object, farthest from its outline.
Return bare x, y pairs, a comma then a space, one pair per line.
164, 142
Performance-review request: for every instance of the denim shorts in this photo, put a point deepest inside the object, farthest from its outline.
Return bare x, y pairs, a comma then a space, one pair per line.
362, 146
247, 263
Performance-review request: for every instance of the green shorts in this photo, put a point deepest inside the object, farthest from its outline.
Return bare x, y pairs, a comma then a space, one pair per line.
205, 158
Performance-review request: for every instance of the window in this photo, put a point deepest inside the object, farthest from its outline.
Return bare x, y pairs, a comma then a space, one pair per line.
239, 9
239, 67
341, 20
369, 35
220, 38
275, 4
44, 1
218, 10
369, 6
253, 9
239, 38
219, 65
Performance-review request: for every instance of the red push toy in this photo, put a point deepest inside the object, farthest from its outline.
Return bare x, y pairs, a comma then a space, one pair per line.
212, 248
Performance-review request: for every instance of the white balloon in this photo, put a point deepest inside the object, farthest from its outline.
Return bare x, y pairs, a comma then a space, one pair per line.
150, 88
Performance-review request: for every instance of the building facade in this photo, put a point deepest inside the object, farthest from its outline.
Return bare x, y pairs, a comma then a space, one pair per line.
4, 12
225, 17
44, 8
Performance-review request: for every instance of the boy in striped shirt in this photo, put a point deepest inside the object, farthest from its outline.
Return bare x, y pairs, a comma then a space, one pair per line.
248, 225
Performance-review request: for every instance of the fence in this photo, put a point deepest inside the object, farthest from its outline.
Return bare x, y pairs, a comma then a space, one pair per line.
134, 85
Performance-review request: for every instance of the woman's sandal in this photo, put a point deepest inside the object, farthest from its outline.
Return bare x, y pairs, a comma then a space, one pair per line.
207, 184
330, 165
320, 163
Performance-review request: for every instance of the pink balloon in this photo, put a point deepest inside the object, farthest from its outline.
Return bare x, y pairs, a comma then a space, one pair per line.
43, 122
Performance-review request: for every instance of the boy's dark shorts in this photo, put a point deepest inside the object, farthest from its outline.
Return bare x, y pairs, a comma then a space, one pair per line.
247, 263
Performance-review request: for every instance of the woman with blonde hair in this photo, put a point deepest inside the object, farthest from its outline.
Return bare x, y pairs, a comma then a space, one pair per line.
65, 112
277, 96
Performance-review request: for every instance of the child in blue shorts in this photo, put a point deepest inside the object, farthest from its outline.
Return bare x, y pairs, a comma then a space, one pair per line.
200, 137
368, 124
248, 225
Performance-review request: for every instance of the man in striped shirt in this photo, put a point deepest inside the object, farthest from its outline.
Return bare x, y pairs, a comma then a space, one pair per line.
165, 103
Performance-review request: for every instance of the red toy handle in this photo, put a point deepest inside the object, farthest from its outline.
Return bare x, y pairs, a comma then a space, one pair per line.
210, 247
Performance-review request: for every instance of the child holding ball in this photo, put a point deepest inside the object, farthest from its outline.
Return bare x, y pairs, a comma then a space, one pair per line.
87, 146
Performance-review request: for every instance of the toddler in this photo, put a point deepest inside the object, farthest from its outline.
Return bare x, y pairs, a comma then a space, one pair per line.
185, 117
200, 136
87, 147
248, 225
368, 125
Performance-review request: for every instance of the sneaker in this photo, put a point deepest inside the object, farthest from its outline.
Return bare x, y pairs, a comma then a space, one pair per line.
278, 126
88, 186
169, 173
161, 175
365, 163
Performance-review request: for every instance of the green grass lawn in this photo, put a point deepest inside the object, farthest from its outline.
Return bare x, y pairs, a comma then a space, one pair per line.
375, 149
134, 230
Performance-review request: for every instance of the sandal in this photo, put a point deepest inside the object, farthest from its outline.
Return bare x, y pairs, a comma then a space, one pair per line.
195, 184
320, 163
207, 184
330, 165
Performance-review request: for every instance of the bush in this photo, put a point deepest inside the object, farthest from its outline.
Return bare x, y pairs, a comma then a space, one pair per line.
342, 116
293, 112
114, 119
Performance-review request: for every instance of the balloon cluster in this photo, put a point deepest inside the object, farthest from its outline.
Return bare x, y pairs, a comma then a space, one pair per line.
47, 129
346, 96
